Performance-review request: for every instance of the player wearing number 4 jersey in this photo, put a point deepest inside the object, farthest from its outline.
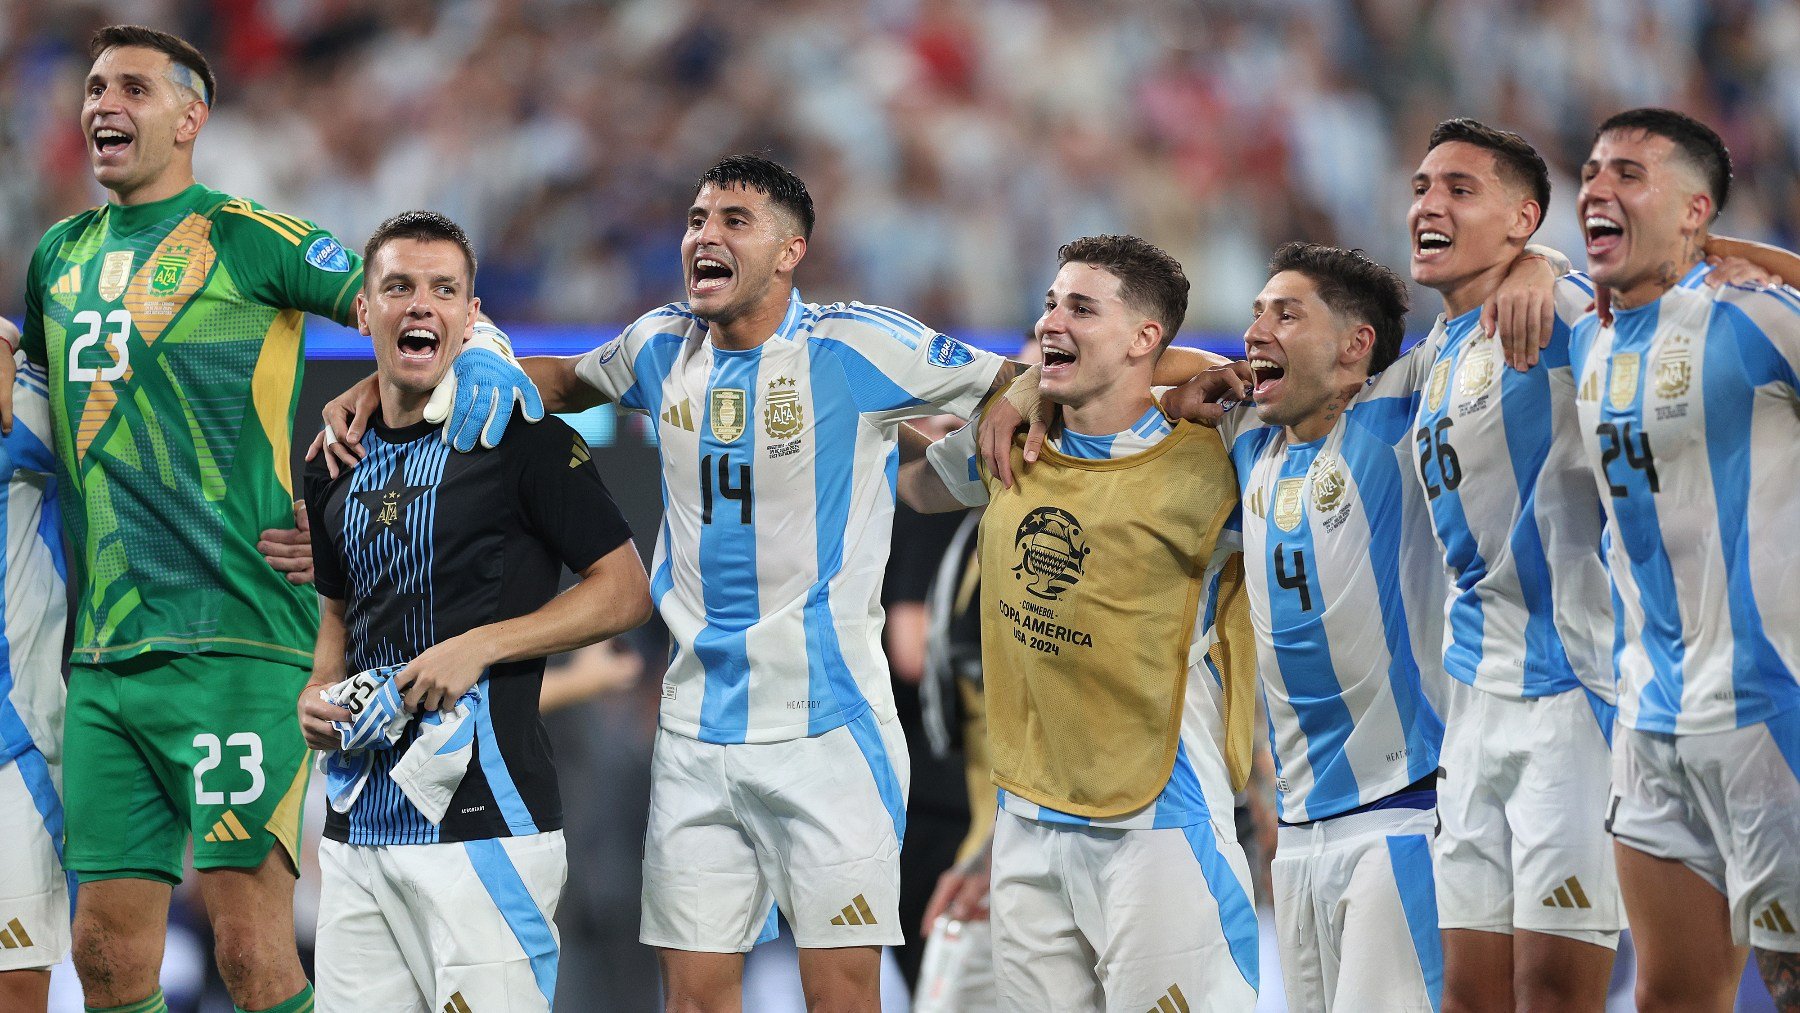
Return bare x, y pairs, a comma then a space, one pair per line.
169, 322
1689, 408
1347, 602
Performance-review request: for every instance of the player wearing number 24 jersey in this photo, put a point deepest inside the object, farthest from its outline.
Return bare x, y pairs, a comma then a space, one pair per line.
1689, 408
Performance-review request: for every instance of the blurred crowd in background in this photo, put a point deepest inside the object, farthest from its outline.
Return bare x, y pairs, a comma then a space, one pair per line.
951, 144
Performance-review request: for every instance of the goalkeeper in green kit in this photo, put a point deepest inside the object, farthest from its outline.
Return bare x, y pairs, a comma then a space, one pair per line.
170, 323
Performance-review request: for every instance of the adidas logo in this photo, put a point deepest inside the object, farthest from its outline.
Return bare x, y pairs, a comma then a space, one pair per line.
457, 1004
681, 416
1259, 503
579, 454
1173, 1002
14, 936
69, 284
1590, 388
855, 913
1772, 920
1568, 895
227, 829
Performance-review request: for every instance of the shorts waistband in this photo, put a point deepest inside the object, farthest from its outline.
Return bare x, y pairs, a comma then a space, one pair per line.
1349, 826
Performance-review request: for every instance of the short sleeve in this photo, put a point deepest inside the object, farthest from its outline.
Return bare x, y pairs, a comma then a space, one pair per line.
898, 368
316, 484
1574, 296
30, 441
613, 368
957, 460
31, 330
560, 494
287, 262
1765, 321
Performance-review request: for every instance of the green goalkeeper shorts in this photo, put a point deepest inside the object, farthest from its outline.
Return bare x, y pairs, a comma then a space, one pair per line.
165, 747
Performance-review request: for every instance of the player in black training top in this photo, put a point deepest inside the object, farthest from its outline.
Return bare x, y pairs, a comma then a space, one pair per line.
448, 564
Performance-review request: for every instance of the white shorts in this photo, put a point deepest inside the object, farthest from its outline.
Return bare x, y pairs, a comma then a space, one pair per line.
812, 826
1356, 913
423, 928
34, 891
1522, 818
1121, 920
1726, 805
956, 974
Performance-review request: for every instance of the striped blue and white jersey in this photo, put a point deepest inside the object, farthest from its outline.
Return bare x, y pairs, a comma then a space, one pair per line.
778, 470
36, 602
1515, 511
1690, 416
1347, 595
1199, 785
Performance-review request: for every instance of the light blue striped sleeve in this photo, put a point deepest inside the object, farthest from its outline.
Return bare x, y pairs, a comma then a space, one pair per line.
29, 442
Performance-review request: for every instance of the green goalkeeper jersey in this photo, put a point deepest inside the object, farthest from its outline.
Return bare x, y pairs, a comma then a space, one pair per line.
172, 333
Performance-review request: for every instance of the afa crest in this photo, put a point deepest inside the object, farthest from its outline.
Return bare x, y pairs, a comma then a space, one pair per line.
1328, 485
783, 416
165, 277
727, 415
1674, 368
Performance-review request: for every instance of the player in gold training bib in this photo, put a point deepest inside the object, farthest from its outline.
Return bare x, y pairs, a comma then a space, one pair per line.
1119, 708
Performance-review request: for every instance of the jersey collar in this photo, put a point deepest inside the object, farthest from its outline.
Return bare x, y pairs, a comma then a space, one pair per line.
128, 219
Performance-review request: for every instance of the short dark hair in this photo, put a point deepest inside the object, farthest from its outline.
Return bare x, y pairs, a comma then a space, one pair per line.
179, 51
1355, 287
768, 177
1698, 143
1518, 163
1149, 279
422, 225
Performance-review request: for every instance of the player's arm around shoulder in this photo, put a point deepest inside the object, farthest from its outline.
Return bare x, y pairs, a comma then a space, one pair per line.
560, 499
1765, 320
920, 371
942, 476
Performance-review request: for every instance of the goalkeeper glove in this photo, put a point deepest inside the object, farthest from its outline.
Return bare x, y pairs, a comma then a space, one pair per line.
477, 397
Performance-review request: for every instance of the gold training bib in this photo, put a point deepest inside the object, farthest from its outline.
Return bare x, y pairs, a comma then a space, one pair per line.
1091, 581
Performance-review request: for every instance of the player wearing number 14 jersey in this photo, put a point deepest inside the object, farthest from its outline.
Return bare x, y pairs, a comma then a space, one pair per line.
169, 321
